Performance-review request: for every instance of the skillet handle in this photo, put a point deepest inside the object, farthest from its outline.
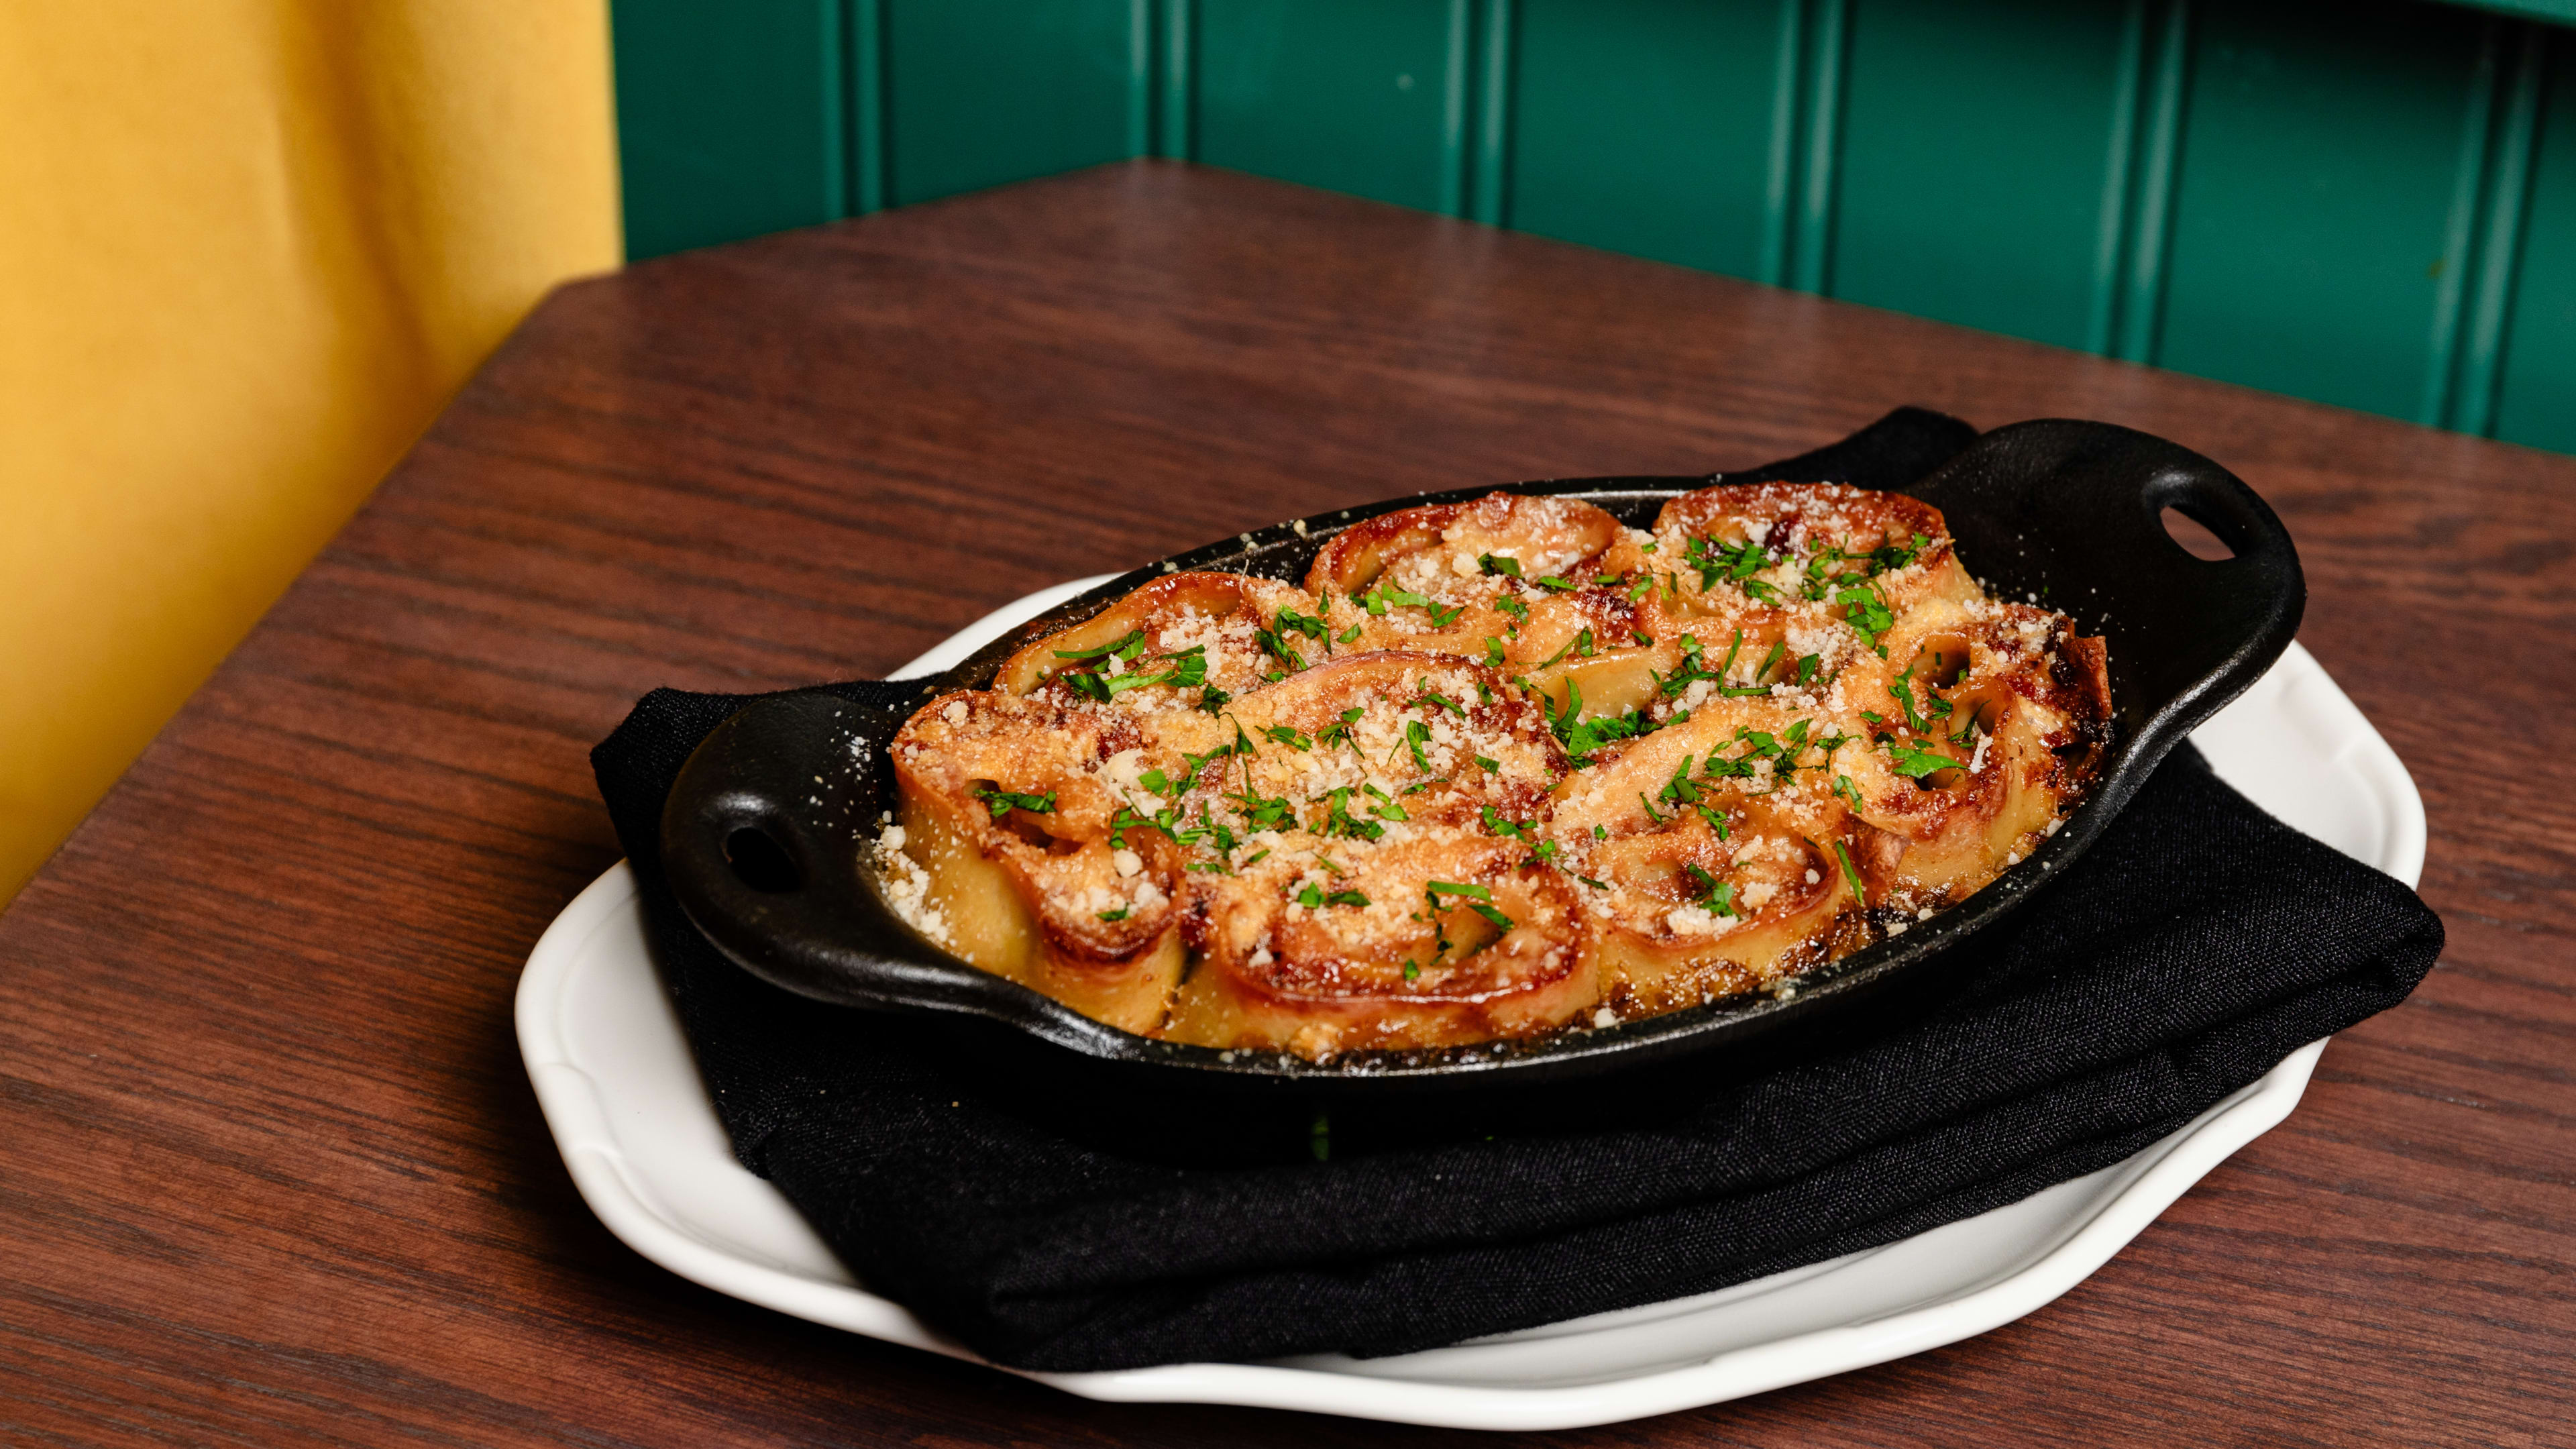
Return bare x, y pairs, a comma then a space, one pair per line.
2071, 514
774, 864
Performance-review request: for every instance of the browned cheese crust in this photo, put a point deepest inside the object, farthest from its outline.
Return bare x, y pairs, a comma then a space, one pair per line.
1499, 769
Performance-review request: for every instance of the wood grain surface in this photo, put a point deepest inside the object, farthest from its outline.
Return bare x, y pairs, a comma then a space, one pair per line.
271, 1173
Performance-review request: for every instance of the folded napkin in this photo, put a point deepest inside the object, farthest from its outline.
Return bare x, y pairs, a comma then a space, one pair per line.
2195, 945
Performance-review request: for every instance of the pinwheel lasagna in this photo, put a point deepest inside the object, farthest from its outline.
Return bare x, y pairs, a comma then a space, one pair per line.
1498, 769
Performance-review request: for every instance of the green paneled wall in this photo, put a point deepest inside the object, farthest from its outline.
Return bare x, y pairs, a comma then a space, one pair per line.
2372, 204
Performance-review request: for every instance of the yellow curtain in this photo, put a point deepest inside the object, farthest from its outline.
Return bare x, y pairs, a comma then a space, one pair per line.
248, 248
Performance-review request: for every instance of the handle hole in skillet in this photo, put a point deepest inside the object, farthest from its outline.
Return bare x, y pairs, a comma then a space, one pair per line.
760, 862
2194, 537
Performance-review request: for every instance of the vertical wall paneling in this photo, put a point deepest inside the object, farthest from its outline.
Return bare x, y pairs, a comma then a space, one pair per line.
2472, 402
1349, 95
1140, 77
1497, 65
729, 120
2535, 390
1780, 179
2119, 179
2150, 78
1177, 121
1646, 126
1974, 167
2140, 328
866, 146
2469, 183
2314, 199
1456, 166
1811, 258
832, 90
980, 92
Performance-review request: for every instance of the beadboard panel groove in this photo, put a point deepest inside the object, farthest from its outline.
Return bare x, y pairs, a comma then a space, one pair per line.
2370, 204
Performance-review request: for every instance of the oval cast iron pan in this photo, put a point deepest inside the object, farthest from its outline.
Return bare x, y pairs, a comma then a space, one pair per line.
767, 834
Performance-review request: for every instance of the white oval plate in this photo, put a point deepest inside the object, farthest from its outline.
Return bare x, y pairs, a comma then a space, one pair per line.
619, 1089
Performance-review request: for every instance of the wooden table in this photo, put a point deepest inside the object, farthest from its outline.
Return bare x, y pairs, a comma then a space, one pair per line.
274, 1175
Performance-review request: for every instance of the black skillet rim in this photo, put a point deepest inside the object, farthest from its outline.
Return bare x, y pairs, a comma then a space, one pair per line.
1282, 551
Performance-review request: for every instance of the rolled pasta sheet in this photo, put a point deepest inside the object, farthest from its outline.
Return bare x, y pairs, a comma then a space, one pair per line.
1184, 641
1435, 940
1707, 848
1997, 715
1545, 589
1006, 812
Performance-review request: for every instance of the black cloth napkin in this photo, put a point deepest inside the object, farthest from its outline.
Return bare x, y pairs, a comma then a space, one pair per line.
2195, 945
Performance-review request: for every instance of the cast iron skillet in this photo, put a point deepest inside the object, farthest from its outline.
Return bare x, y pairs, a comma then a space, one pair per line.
767, 832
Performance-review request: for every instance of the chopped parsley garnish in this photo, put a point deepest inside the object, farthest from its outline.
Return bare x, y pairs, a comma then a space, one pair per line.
1386, 808
1584, 736
1494, 564
1868, 615
1435, 698
1416, 735
1844, 787
1338, 819
1283, 734
1213, 699
1263, 812
1824, 573
1734, 563
1126, 646
1191, 764
1915, 762
1003, 802
1338, 734
1934, 709
1488, 765
1312, 626
1542, 850
1119, 914
1350, 635
1580, 646
1512, 606
1493, 651
1808, 664
1679, 789
1850, 874
1314, 897
1551, 581
1187, 669
1692, 667
1475, 897
1380, 598
1442, 618
1276, 645
1715, 896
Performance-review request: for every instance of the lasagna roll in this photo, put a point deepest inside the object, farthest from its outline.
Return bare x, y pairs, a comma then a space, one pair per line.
1006, 810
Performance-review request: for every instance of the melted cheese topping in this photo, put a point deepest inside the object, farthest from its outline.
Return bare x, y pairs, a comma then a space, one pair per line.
1499, 769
